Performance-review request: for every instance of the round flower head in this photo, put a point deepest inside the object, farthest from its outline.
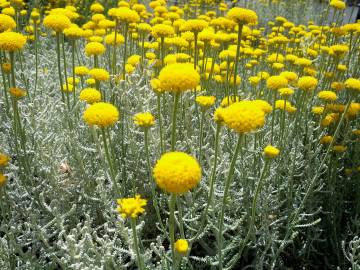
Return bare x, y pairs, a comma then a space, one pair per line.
242, 15
101, 114
17, 93
179, 77
124, 14
6, 23
327, 95
307, 83
94, 48
181, 246
352, 84
286, 92
3, 180
271, 151
177, 172
81, 70
90, 95
244, 117
4, 160
194, 25
289, 75
326, 139
337, 4
162, 30
57, 22
276, 82
6, 67
110, 39
144, 120
205, 101
99, 74
12, 41
339, 148
131, 207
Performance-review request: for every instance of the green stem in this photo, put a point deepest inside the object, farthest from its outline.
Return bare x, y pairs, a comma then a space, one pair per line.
151, 182
59, 65
172, 204
201, 133
173, 132
240, 28
139, 258
158, 100
125, 50
224, 201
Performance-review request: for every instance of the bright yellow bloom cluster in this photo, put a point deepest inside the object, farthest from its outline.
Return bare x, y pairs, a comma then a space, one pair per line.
243, 116
81, 70
101, 114
177, 172
12, 41
94, 48
205, 101
285, 92
307, 83
276, 82
17, 92
179, 77
145, 120
4, 160
242, 15
131, 207
337, 4
326, 139
57, 22
352, 84
162, 30
99, 74
228, 100
6, 23
110, 39
327, 95
124, 14
181, 246
90, 95
194, 25
271, 151
284, 105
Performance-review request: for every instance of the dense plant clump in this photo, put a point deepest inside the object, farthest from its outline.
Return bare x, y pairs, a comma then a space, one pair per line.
189, 135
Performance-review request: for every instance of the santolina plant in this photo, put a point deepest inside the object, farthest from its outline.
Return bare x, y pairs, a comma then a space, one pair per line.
201, 135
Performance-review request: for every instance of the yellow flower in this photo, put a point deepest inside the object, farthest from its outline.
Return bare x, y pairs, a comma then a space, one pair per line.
194, 25
4, 160
99, 74
6, 23
337, 4
242, 15
339, 50
81, 70
67, 87
134, 59
6, 67
281, 105
57, 22
17, 92
289, 75
286, 92
339, 148
352, 84
326, 139
12, 41
145, 120
205, 101
90, 95
307, 83
94, 48
124, 14
3, 180
144, 28
244, 116
181, 246
177, 172
327, 95
271, 151
162, 30
101, 114
317, 110
110, 39
179, 77
131, 207
74, 32
97, 8
276, 82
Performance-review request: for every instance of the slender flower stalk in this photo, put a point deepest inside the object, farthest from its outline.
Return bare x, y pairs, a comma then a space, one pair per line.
174, 115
